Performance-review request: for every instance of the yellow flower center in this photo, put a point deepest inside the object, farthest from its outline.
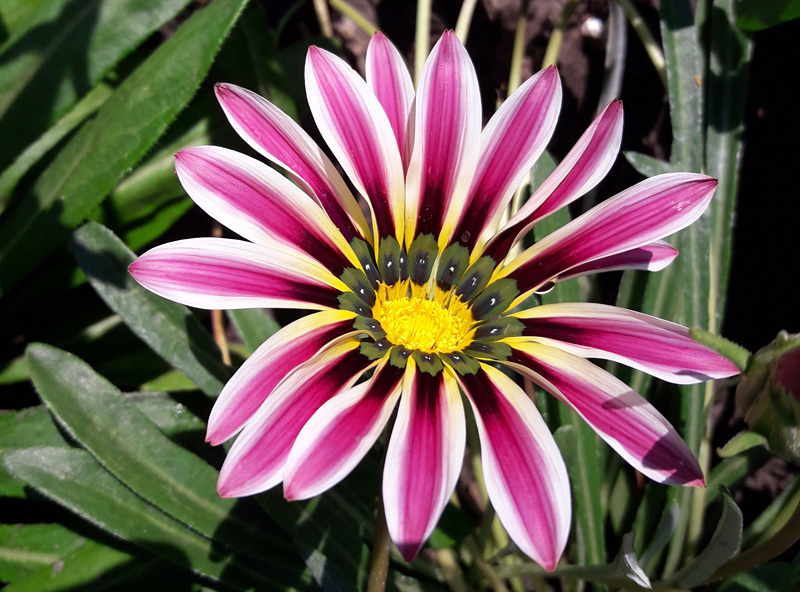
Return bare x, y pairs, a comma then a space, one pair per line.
416, 319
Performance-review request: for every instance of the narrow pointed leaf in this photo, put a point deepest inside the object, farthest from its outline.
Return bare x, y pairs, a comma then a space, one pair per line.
91, 567
169, 329
71, 47
127, 125
73, 479
22, 429
724, 544
134, 450
25, 549
255, 326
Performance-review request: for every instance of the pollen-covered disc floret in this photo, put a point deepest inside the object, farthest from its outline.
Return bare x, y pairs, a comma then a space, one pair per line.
416, 304
425, 319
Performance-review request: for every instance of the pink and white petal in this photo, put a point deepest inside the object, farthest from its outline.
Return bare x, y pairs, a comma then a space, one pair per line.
626, 421
525, 475
388, 77
359, 134
257, 459
511, 143
274, 135
219, 273
447, 120
261, 205
648, 211
653, 257
290, 347
646, 343
583, 168
424, 458
340, 434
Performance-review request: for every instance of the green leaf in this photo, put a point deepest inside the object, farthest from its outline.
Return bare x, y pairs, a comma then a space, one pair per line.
148, 202
71, 47
724, 544
254, 325
135, 451
26, 548
741, 442
31, 155
756, 15
734, 470
91, 567
684, 84
127, 125
624, 572
663, 532
728, 66
170, 329
775, 516
171, 416
14, 14
23, 429
646, 165
73, 479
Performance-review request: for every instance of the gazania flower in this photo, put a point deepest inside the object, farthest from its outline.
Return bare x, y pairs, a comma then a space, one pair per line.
420, 301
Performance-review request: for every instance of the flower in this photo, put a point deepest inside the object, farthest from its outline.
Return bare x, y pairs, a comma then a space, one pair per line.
423, 301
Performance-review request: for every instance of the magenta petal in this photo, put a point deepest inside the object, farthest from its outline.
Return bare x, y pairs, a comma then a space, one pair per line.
424, 458
447, 118
511, 143
257, 458
583, 168
525, 474
647, 343
273, 134
653, 257
293, 345
218, 273
648, 211
356, 129
340, 433
260, 204
388, 77
627, 422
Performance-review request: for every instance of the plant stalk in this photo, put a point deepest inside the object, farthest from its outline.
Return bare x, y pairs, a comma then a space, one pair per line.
355, 16
422, 38
379, 558
650, 44
465, 19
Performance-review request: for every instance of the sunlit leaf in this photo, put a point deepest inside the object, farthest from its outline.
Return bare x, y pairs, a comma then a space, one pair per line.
104, 150
170, 329
133, 449
72, 45
75, 480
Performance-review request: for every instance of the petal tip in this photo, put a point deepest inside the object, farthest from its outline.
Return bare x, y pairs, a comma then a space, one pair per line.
409, 550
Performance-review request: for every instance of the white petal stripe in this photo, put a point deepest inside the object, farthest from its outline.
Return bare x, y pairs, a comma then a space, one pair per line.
219, 273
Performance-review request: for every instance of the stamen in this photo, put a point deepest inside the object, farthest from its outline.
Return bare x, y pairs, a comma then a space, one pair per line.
423, 317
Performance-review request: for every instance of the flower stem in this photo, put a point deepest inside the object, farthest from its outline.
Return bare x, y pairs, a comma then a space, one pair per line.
465, 19
423, 37
379, 558
217, 320
355, 16
450, 571
518, 51
557, 36
650, 44
323, 17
